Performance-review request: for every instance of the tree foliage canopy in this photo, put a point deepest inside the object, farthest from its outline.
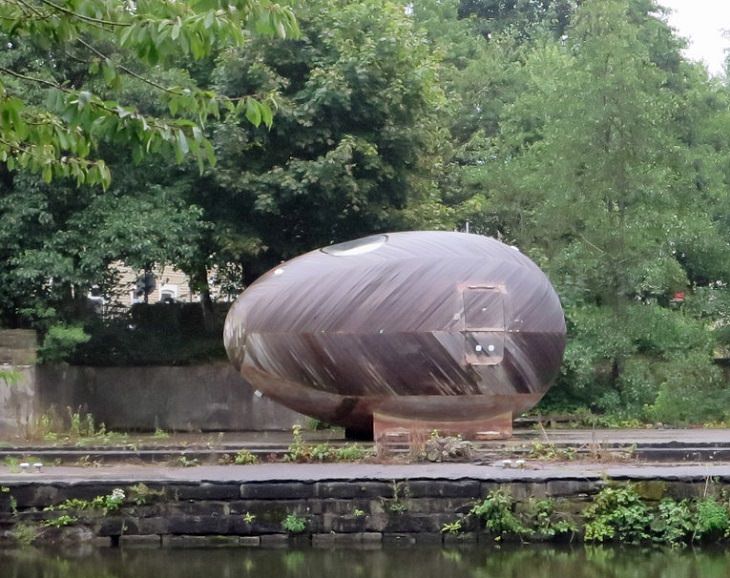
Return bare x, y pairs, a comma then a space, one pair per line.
590, 162
66, 64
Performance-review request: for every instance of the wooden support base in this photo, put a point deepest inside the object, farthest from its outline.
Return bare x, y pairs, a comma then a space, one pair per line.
393, 434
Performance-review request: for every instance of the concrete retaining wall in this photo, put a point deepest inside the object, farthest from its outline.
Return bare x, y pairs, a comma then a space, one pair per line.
211, 397
17, 380
17, 399
18, 346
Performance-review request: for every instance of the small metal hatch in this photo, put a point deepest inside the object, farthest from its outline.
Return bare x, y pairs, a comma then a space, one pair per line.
484, 325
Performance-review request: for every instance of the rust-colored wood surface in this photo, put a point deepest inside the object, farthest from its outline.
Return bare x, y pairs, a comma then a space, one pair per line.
427, 326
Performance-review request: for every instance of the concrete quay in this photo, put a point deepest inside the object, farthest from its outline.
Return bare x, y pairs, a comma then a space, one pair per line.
646, 445
336, 503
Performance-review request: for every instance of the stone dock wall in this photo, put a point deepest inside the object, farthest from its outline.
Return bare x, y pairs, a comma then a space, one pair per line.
406, 511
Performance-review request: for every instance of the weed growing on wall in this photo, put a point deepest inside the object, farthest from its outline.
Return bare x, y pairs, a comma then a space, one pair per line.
24, 533
453, 528
60, 521
497, 513
672, 523
294, 524
546, 522
617, 514
104, 504
77, 426
141, 494
712, 519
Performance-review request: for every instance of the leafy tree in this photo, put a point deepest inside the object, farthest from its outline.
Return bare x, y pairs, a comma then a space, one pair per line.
522, 16
591, 173
53, 123
89, 84
354, 145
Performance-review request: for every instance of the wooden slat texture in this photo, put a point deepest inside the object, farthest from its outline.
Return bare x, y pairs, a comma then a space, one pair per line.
413, 324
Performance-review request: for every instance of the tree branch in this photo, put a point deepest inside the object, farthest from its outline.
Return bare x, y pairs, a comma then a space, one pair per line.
32, 9
82, 16
32, 79
127, 70
152, 83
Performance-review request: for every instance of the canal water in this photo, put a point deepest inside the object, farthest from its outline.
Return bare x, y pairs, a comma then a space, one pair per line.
418, 562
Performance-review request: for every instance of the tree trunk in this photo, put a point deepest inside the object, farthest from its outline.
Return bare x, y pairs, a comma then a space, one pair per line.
199, 282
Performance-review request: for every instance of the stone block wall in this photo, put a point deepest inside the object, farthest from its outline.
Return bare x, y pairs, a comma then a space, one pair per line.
252, 513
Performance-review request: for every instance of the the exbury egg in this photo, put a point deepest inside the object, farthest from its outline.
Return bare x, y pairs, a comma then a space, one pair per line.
421, 330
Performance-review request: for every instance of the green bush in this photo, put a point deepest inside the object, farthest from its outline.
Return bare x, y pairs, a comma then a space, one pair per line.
617, 514
692, 391
497, 513
673, 523
60, 342
653, 364
294, 524
713, 519
158, 334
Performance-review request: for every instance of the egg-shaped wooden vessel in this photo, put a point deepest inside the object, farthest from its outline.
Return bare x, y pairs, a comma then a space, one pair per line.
415, 329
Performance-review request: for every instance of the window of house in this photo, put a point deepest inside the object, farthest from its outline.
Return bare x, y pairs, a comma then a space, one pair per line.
168, 293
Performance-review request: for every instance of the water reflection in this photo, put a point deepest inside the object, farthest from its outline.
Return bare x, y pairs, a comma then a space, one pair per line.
474, 562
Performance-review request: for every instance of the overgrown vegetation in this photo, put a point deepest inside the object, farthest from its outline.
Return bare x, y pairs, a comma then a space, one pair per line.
185, 462
301, 451
72, 511
496, 512
141, 494
245, 457
9, 376
104, 504
549, 451
616, 514
619, 515
157, 334
76, 427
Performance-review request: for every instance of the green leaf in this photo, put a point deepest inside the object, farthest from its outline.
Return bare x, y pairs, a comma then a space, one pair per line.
182, 142
266, 114
253, 111
109, 71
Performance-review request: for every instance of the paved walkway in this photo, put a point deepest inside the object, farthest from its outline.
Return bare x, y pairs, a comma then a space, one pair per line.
350, 472
696, 436
533, 470
575, 437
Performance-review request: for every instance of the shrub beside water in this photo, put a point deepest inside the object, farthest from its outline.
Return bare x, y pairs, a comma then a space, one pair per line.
617, 514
